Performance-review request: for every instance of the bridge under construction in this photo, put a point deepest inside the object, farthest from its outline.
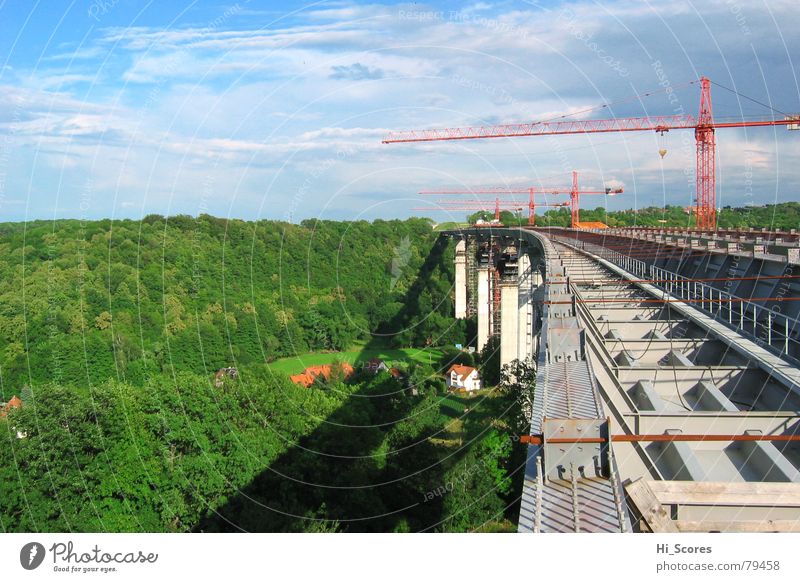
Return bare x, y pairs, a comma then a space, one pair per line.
668, 372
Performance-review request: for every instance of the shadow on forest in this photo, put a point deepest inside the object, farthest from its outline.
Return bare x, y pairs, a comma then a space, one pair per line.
337, 473
369, 466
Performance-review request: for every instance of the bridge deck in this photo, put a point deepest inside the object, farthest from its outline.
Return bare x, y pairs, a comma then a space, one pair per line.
658, 368
566, 389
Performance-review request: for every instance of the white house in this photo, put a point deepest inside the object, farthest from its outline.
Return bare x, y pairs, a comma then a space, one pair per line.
463, 378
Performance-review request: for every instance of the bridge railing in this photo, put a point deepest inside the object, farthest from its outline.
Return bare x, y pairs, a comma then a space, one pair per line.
767, 326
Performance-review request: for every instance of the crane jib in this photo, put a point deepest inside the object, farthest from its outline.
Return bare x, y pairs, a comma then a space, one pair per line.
703, 125
658, 124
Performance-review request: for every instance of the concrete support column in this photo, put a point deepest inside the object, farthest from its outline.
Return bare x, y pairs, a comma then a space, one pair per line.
536, 279
509, 322
483, 307
461, 279
525, 303
536, 282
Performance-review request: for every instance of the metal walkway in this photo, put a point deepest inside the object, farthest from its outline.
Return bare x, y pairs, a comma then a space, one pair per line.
577, 488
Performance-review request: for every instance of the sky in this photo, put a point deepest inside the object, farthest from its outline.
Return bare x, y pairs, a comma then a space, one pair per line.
276, 110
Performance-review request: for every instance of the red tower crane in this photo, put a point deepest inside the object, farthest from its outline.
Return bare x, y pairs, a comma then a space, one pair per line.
484, 204
703, 125
475, 205
574, 193
495, 191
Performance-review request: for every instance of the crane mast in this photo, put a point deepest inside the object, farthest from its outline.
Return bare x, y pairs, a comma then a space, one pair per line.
574, 194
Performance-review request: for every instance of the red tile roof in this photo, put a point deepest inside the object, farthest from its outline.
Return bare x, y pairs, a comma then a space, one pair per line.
347, 368
307, 377
591, 225
303, 378
15, 402
461, 370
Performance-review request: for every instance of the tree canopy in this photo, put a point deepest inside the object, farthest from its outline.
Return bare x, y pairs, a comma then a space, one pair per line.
111, 333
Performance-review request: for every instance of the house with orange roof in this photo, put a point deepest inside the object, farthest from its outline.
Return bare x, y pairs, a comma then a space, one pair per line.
15, 402
462, 378
302, 379
310, 374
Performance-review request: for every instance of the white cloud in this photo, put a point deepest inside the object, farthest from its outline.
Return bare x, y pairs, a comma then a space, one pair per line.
259, 104
355, 72
79, 53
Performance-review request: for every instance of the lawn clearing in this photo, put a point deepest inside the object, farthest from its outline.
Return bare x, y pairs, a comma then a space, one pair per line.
392, 357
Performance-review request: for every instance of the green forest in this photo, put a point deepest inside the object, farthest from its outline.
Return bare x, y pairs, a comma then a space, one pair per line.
83, 302
111, 333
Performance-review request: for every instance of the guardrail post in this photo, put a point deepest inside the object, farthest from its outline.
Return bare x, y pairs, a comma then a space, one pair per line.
769, 328
786, 338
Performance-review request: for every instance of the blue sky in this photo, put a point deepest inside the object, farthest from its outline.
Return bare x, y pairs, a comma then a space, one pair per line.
116, 108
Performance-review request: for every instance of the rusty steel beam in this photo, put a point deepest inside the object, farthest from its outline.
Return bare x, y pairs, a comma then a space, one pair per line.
638, 438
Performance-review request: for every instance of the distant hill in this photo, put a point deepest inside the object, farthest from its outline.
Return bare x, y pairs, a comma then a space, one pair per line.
784, 216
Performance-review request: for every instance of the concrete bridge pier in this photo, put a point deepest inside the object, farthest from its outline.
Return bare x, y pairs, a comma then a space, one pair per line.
484, 298
461, 279
536, 282
509, 322
525, 308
